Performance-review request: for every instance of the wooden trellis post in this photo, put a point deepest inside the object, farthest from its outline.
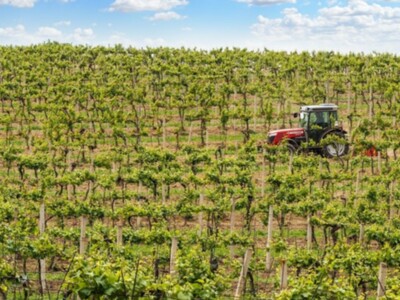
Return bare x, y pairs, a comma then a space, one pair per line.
164, 132
83, 239
120, 225
139, 191
190, 132
357, 189
263, 171
381, 280
200, 220
42, 218
284, 277
358, 180
268, 260
362, 233
243, 273
42, 262
232, 226
91, 168
309, 232
174, 248
163, 193
69, 185
379, 162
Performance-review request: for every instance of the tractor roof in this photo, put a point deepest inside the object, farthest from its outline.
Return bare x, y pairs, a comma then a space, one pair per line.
320, 107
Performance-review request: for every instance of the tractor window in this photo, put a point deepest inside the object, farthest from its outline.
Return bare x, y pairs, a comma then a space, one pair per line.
323, 119
303, 120
333, 118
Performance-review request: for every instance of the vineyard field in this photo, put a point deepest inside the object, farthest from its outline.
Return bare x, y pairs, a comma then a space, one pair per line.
145, 174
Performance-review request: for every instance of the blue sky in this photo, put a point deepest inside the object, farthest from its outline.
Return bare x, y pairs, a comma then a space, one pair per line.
291, 25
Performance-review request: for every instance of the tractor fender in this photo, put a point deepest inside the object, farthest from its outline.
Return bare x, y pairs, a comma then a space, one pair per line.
291, 145
291, 142
338, 130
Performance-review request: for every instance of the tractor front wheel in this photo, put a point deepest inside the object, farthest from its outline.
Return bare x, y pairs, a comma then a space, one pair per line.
336, 148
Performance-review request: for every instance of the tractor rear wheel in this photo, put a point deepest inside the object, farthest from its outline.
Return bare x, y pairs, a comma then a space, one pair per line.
336, 149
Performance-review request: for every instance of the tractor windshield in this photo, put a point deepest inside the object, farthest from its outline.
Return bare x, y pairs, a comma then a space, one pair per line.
318, 119
323, 119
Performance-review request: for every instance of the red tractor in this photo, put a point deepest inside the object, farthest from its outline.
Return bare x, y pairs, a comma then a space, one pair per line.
319, 131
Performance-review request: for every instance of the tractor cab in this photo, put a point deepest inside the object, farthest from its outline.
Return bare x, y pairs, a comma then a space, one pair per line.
316, 120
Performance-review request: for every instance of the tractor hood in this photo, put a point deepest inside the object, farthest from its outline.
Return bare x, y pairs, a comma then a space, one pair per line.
276, 136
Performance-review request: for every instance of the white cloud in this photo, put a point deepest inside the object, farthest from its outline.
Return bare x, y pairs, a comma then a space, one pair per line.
16, 31
18, 3
120, 38
358, 26
145, 5
186, 28
266, 2
18, 35
82, 35
62, 23
155, 42
166, 16
49, 32
332, 2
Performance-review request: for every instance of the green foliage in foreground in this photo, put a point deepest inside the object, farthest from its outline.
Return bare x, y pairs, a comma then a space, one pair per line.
129, 277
